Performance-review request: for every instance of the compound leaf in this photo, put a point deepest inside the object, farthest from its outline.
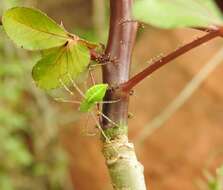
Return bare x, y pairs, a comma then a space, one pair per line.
178, 13
93, 95
32, 29
61, 65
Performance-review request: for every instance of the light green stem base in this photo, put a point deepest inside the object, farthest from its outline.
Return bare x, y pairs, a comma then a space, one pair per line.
125, 171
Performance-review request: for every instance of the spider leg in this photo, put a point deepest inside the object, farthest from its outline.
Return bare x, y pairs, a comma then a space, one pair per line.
67, 101
75, 86
100, 128
108, 119
110, 102
66, 87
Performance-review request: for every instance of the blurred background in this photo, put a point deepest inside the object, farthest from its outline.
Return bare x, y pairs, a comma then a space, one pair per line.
176, 114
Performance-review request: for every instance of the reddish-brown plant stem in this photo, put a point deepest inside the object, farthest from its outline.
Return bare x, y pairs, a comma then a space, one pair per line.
124, 169
209, 29
127, 86
220, 4
119, 48
94, 55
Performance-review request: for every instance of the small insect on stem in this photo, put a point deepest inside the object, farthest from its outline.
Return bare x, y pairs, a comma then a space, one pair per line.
101, 59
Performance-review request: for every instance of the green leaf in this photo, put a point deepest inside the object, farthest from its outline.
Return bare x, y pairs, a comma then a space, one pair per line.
32, 29
177, 13
12, 69
17, 153
12, 119
5, 181
61, 65
93, 95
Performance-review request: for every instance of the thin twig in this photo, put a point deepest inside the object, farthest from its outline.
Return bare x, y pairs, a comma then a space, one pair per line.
127, 86
180, 100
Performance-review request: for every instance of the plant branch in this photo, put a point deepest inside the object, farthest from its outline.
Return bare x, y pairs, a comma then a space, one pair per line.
183, 97
127, 86
220, 4
125, 170
119, 48
209, 29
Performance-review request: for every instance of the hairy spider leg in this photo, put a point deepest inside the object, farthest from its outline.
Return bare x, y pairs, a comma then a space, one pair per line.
96, 65
108, 119
110, 102
69, 91
100, 128
75, 86
102, 132
67, 101
93, 82
65, 87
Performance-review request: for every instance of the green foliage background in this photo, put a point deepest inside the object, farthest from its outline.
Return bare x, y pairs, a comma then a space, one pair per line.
30, 152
